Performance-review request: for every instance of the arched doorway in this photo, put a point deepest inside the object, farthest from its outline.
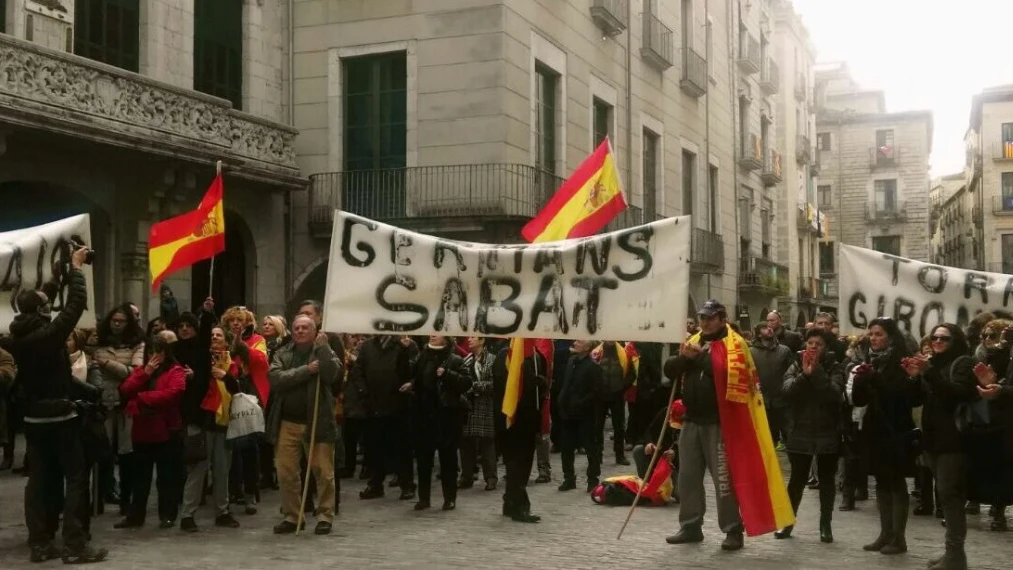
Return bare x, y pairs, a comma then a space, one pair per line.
233, 269
313, 286
28, 203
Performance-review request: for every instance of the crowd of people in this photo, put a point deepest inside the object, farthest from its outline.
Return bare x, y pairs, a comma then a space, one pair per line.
216, 405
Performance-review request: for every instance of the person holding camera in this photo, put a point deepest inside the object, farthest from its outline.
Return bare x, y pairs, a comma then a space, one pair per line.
52, 425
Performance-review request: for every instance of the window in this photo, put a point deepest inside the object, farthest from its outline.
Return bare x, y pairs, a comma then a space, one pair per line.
827, 265
375, 124
885, 152
766, 217
823, 141
712, 196
688, 182
687, 27
218, 49
107, 31
602, 120
1006, 203
824, 196
887, 244
650, 176
884, 138
3, 16
886, 195
1006, 245
546, 85
1007, 133
746, 213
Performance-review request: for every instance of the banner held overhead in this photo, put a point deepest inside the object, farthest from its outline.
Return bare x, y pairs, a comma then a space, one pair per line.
626, 285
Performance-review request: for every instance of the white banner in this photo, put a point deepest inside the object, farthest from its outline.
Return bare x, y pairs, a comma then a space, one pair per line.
27, 260
627, 285
918, 295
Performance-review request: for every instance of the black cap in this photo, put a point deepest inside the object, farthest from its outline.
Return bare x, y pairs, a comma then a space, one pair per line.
712, 307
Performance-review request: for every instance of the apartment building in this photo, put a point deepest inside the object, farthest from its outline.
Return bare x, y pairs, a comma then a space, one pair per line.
989, 172
461, 119
874, 170
798, 224
951, 209
120, 109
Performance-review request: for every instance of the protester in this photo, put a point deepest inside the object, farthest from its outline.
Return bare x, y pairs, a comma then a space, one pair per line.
701, 444
888, 431
439, 383
772, 361
579, 393
618, 375
152, 395
792, 340
304, 377
274, 329
8, 370
52, 425
814, 390
479, 430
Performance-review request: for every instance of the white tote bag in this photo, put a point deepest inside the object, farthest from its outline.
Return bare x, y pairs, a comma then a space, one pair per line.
245, 417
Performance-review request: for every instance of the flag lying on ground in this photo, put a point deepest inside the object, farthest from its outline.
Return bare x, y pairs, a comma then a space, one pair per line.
188, 238
752, 461
588, 200
584, 204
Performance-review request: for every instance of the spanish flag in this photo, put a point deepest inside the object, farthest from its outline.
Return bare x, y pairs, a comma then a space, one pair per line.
752, 461
584, 204
520, 349
188, 238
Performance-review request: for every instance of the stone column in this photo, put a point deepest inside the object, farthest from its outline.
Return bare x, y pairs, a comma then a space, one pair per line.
134, 273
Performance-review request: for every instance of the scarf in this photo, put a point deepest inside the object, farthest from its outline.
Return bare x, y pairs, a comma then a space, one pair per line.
79, 366
749, 449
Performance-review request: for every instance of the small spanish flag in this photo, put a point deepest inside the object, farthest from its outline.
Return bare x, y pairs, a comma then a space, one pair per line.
584, 204
520, 349
188, 238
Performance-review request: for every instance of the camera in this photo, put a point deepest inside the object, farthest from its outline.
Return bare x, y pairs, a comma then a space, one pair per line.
78, 243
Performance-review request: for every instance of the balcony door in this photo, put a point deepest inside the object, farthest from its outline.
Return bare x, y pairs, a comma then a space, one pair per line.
375, 139
218, 49
1006, 248
885, 196
1006, 197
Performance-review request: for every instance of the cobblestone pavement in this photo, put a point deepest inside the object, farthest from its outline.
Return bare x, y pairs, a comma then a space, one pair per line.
574, 534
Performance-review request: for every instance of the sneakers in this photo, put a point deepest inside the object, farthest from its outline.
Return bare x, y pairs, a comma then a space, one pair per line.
86, 555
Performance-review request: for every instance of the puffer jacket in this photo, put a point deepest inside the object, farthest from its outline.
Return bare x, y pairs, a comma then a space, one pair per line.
154, 403
772, 360
817, 411
120, 363
949, 382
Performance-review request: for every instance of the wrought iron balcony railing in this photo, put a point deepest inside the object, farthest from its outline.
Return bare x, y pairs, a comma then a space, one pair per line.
1002, 205
751, 153
763, 275
610, 15
694, 73
883, 157
659, 46
771, 173
749, 54
770, 79
708, 252
885, 213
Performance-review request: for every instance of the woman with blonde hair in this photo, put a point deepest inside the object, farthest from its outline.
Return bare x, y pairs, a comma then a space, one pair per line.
274, 329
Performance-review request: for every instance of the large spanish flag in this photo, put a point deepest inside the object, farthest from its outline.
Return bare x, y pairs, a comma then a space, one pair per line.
188, 238
520, 349
749, 448
584, 204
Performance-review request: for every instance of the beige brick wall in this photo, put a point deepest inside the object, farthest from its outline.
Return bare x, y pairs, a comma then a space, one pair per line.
993, 115
264, 44
166, 38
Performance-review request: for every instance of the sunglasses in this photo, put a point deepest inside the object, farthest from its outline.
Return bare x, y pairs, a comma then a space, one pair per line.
990, 336
941, 338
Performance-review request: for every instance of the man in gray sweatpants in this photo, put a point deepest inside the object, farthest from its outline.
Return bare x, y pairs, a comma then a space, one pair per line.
701, 446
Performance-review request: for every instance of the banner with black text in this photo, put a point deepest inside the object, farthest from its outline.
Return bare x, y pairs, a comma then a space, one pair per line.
918, 295
30, 257
627, 285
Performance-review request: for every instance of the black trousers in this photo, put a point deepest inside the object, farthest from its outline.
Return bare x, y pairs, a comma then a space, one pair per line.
57, 448
826, 468
167, 458
353, 432
244, 475
474, 449
518, 447
614, 405
855, 469
387, 450
776, 420
444, 439
577, 433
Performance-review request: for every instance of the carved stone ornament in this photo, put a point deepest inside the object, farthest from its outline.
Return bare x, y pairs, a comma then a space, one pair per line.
134, 266
67, 85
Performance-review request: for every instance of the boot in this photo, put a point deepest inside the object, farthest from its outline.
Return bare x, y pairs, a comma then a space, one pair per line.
733, 541
686, 535
884, 504
847, 499
899, 511
784, 533
826, 532
953, 559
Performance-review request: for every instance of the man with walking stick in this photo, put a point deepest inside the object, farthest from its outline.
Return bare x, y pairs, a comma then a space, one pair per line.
304, 377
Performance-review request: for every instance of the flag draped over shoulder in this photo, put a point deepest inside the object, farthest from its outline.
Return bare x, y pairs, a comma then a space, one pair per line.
584, 204
752, 461
521, 349
188, 238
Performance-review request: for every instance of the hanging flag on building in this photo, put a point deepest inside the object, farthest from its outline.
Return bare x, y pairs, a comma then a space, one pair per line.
188, 238
589, 199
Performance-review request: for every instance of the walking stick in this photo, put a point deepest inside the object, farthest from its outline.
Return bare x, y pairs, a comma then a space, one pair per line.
309, 460
650, 466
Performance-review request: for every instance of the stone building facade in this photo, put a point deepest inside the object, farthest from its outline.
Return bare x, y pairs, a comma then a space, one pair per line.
874, 170
951, 212
989, 175
121, 108
461, 118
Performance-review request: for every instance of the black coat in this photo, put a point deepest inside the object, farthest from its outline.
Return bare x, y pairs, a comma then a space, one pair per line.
39, 348
438, 404
888, 429
816, 402
528, 417
582, 386
949, 382
772, 360
697, 391
380, 370
196, 353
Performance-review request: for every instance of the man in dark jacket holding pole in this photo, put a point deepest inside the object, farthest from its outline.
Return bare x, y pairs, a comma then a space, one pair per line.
38, 343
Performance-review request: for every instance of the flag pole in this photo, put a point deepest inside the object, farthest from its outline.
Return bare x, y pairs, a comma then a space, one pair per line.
211, 270
650, 467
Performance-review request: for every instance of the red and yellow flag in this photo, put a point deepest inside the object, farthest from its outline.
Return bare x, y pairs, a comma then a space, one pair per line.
584, 204
520, 349
752, 462
188, 238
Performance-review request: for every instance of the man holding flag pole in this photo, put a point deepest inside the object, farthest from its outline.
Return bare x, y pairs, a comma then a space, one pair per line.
585, 203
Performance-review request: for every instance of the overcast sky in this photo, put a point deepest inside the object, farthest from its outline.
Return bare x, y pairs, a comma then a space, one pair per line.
925, 54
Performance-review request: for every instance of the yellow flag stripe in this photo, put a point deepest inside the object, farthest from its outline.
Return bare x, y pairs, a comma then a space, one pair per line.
578, 207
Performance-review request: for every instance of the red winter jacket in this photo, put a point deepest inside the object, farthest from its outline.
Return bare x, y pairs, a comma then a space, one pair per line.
154, 406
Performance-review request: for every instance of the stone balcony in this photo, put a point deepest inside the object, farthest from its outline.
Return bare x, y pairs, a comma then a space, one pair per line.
57, 92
